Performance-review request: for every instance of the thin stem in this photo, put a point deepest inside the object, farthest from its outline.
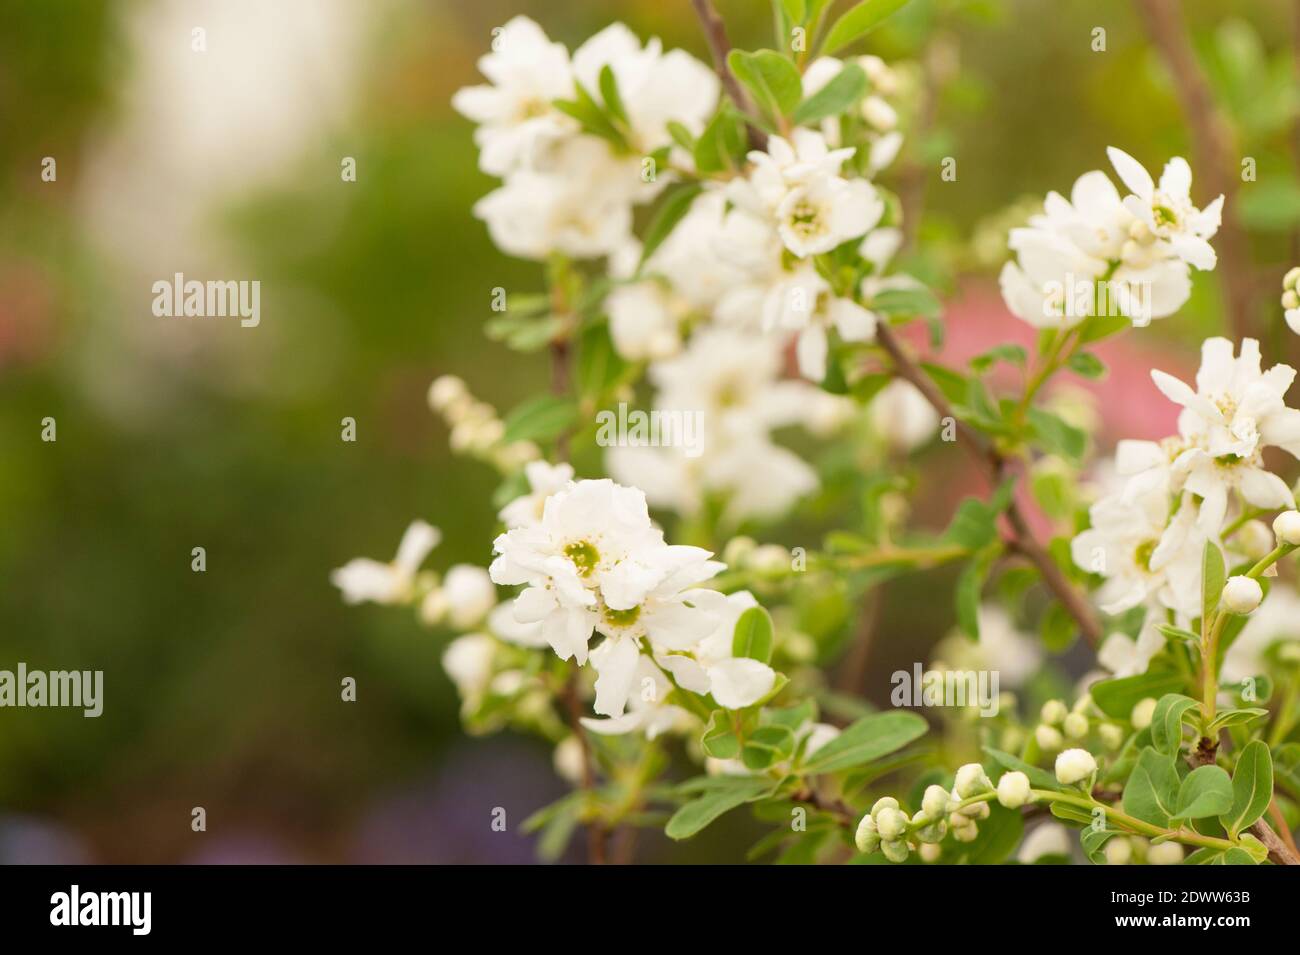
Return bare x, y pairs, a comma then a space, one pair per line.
715, 32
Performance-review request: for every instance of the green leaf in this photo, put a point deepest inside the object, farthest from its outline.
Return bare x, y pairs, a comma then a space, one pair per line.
771, 78
1237, 717
1151, 793
767, 745
716, 800
609, 93
846, 88
1058, 628
1178, 633
1207, 791
670, 212
857, 22
1252, 788
1094, 841
1171, 712
600, 367
1086, 364
998, 837
869, 738
1116, 698
752, 636
796, 10
720, 740
1056, 435
970, 585
540, 419
1213, 575
975, 524
722, 144
907, 302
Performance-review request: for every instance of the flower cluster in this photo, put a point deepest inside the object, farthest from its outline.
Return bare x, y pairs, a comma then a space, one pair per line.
1098, 253
566, 189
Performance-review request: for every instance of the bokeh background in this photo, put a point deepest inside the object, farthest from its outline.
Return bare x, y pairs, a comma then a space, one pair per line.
222, 688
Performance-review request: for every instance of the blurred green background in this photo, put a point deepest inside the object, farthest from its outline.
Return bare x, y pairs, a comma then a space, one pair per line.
222, 688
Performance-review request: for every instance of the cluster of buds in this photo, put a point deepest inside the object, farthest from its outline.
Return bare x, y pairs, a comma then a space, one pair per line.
1124, 850
475, 428
958, 812
1059, 725
1291, 298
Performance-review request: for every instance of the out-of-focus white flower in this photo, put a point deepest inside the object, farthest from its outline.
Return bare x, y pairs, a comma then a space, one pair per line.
468, 661
1123, 656
818, 215
1235, 412
655, 87
1166, 853
363, 579
527, 72
1143, 711
469, 595
1046, 839
901, 414
569, 759
647, 708
543, 480
1118, 851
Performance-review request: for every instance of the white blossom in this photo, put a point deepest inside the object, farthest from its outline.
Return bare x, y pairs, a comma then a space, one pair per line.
363, 579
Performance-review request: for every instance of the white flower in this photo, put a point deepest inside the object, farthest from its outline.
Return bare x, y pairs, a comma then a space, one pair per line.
1242, 594
1074, 765
818, 215
569, 759
655, 87
1076, 726
1286, 526
1167, 211
648, 711
1143, 555
594, 558
787, 164
363, 579
903, 416
469, 595
501, 623
527, 72
1235, 412
1048, 738
1047, 839
468, 661
710, 667
1013, 790
543, 480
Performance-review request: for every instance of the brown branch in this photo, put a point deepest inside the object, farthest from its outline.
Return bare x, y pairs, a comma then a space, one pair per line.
1212, 148
996, 468
715, 31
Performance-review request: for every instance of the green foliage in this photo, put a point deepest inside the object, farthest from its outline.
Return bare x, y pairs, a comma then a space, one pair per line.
857, 22
1252, 788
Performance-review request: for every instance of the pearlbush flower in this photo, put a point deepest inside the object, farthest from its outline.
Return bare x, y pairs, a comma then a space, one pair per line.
1074, 765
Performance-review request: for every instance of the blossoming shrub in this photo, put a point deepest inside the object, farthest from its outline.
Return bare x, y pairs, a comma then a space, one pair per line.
718, 233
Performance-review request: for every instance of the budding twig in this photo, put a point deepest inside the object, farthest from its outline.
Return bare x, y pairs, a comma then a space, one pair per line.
715, 31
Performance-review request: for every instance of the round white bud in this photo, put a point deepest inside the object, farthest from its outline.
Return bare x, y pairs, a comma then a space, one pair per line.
1118, 851
1053, 712
866, 838
1048, 738
1255, 539
1287, 527
1112, 737
1013, 790
1076, 726
446, 391
884, 802
971, 781
1074, 766
1292, 278
1142, 712
1167, 853
935, 801
894, 851
1242, 594
930, 852
968, 832
891, 824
